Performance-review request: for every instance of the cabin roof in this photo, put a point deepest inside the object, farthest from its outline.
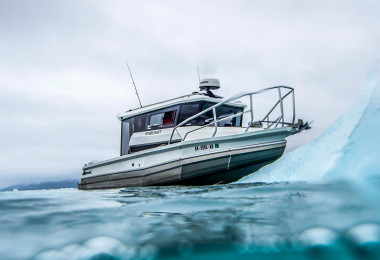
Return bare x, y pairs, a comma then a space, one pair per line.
172, 102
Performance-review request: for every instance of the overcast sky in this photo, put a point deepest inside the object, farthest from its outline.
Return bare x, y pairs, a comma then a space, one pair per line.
63, 77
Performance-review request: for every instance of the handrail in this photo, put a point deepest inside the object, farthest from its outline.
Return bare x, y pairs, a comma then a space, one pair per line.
278, 102
238, 96
220, 120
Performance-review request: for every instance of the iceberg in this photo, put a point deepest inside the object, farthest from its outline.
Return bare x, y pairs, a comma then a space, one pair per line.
349, 148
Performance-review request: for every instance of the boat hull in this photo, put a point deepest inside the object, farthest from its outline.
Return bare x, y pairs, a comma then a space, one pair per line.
207, 162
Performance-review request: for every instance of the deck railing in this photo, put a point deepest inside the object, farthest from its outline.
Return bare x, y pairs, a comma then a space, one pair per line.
279, 120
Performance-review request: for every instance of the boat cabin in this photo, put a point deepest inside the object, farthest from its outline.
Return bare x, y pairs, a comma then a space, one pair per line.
150, 126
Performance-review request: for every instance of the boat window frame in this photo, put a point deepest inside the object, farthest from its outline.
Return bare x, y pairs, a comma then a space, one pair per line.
199, 103
175, 108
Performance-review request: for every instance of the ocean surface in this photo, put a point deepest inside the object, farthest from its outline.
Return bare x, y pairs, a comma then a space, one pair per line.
321, 201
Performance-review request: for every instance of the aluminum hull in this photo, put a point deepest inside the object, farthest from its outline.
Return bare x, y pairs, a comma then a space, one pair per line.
223, 160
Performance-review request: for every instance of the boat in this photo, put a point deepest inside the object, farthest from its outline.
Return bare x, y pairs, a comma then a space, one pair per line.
196, 139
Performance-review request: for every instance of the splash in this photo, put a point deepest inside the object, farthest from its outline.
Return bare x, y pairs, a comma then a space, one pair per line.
350, 147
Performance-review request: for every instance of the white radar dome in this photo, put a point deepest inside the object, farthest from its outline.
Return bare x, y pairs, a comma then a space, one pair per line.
208, 84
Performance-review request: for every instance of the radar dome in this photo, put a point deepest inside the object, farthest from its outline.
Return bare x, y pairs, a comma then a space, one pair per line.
208, 84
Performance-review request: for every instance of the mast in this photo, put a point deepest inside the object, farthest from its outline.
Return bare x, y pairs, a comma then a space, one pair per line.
133, 82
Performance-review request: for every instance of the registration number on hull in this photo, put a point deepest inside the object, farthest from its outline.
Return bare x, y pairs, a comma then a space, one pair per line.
205, 147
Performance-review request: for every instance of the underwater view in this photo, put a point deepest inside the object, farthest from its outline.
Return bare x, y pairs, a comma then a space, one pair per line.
320, 201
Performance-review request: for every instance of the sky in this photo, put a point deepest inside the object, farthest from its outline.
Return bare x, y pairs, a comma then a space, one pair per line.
63, 74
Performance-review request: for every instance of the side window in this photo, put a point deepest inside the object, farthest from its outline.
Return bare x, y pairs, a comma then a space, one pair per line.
139, 124
225, 111
221, 112
157, 119
162, 120
207, 117
169, 117
188, 110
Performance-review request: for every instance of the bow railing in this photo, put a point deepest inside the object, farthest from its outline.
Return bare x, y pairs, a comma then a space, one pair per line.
280, 120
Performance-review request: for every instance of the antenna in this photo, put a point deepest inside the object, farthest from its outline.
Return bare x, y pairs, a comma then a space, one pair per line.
198, 74
134, 84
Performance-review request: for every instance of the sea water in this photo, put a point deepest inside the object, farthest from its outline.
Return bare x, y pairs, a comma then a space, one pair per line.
321, 201
287, 220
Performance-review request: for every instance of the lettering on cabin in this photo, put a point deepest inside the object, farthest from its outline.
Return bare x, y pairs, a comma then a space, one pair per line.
205, 147
153, 132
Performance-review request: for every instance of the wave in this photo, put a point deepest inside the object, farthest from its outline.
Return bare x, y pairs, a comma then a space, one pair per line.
349, 148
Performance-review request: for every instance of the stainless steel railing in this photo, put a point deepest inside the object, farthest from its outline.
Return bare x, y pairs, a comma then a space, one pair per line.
266, 119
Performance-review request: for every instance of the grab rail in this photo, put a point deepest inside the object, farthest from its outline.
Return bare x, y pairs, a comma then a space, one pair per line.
280, 119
